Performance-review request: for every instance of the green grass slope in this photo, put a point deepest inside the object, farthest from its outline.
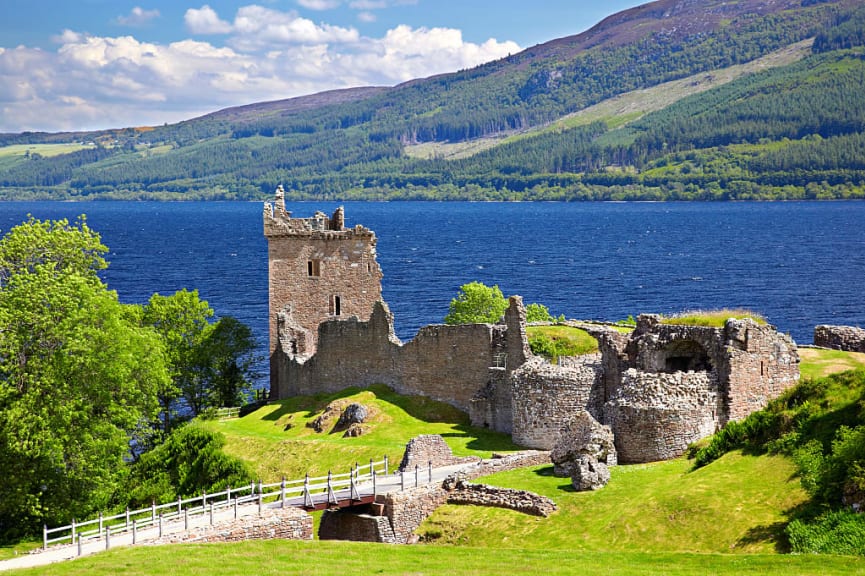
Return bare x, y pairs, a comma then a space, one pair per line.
277, 441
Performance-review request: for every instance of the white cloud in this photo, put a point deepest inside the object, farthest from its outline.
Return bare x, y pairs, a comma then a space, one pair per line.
319, 4
366, 17
205, 20
256, 27
92, 82
138, 17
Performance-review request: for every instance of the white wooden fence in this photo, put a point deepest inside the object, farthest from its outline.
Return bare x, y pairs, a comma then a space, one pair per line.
304, 493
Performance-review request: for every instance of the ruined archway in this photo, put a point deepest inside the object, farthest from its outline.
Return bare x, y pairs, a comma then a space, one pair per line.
686, 356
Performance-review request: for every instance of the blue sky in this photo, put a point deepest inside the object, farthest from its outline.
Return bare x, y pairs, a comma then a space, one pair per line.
90, 64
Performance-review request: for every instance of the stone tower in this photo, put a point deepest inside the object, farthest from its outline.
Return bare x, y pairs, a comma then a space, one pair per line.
318, 270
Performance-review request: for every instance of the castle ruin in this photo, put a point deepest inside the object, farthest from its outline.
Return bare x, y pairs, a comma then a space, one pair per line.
659, 388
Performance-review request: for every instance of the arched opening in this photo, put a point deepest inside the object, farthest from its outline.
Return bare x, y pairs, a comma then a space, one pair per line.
686, 355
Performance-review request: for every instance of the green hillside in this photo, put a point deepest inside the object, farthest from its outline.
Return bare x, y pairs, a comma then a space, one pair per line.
702, 100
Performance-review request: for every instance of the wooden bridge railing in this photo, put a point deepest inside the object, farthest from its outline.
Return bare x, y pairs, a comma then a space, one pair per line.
103, 527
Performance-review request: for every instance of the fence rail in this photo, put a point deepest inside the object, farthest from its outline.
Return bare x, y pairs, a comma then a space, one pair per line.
228, 413
305, 489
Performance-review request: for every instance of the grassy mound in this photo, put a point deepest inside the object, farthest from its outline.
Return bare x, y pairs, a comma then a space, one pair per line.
278, 439
712, 318
556, 340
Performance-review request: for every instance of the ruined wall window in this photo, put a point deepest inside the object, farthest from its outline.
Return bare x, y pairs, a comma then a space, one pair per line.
313, 268
686, 355
335, 306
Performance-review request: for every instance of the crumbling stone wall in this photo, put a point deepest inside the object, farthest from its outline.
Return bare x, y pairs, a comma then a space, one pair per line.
847, 338
655, 415
446, 363
762, 363
408, 509
286, 523
430, 450
462, 492
547, 397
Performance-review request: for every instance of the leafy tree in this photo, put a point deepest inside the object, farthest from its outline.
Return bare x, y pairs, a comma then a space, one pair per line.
477, 303
189, 462
228, 360
538, 313
212, 364
78, 374
181, 320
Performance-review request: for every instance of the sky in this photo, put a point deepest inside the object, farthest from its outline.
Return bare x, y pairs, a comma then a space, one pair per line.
95, 64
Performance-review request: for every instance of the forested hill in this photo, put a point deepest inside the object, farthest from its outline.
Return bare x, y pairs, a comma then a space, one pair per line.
676, 99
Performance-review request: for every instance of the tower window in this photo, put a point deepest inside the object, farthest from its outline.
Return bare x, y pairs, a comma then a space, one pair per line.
335, 305
313, 268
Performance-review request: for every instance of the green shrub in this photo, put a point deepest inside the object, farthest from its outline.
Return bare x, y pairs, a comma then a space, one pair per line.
837, 532
188, 463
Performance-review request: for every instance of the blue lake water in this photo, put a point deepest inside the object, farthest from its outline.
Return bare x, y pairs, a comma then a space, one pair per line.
800, 264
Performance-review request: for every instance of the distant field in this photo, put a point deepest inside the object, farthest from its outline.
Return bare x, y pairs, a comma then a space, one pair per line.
47, 150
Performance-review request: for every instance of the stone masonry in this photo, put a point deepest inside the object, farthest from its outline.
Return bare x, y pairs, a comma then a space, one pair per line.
847, 338
285, 523
430, 450
394, 517
659, 388
318, 270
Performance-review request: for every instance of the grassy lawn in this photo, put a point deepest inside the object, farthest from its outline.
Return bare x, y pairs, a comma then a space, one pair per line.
343, 558
817, 363
738, 504
275, 440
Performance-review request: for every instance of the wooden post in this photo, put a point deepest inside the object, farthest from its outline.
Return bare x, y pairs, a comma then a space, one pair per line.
179, 505
160, 524
259, 503
282, 493
373, 484
186, 518
211, 513
236, 498
107, 537
73, 530
79, 544
45, 536
134, 531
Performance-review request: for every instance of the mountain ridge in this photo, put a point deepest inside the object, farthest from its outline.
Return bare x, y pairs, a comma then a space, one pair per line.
353, 143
